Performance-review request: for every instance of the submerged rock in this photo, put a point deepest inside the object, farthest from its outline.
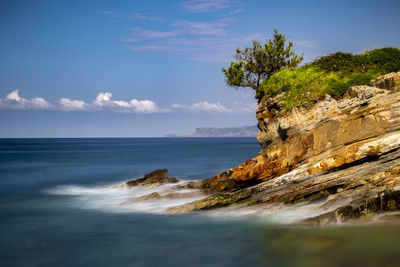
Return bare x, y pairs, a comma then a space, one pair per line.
344, 154
155, 178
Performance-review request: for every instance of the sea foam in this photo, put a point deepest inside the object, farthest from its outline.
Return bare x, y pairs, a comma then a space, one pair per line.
120, 198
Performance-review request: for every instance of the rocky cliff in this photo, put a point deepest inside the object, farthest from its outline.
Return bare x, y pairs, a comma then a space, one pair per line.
342, 152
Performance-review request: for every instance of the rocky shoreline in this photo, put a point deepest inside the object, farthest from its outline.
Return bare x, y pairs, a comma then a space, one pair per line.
340, 155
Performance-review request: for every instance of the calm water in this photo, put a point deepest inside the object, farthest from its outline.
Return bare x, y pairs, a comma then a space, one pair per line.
57, 209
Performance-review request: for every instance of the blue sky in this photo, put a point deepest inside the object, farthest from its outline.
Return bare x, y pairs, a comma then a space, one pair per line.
150, 68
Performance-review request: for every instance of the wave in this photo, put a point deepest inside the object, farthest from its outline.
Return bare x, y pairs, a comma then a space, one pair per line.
120, 198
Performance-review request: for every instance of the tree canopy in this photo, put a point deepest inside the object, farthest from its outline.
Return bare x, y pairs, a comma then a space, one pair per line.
257, 63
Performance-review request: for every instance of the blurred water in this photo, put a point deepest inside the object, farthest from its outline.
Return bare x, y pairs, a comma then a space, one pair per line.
57, 209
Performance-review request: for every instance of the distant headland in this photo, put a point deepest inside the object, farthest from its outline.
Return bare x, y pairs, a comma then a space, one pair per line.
241, 131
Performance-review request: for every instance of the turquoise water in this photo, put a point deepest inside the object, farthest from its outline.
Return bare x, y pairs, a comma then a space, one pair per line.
57, 209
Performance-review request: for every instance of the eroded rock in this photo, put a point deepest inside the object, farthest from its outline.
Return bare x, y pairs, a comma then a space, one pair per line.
324, 134
341, 154
390, 81
155, 178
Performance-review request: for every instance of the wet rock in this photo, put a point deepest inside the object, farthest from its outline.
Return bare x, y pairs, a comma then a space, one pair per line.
211, 202
191, 185
324, 134
150, 196
177, 195
157, 177
341, 155
156, 196
369, 204
392, 217
365, 187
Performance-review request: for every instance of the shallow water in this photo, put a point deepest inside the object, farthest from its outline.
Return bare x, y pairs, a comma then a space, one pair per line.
58, 208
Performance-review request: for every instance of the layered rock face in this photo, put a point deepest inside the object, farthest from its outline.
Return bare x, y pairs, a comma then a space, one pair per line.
326, 149
322, 134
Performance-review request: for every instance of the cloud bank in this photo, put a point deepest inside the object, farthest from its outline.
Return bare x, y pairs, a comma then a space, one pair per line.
203, 106
104, 103
15, 102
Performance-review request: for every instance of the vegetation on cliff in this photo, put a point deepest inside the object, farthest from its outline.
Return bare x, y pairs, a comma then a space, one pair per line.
331, 160
271, 69
332, 74
257, 63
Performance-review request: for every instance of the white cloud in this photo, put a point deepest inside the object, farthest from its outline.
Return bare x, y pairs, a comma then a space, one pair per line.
180, 27
144, 106
133, 106
14, 95
102, 98
137, 34
216, 28
68, 104
133, 16
177, 106
216, 47
248, 107
199, 40
209, 107
104, 103
14, 101
121, 103
198, 6
39, 103
203, 106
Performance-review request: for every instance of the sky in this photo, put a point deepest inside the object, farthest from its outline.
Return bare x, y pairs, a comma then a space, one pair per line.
151, 68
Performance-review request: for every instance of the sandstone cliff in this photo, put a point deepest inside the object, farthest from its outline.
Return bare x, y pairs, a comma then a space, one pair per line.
343, 153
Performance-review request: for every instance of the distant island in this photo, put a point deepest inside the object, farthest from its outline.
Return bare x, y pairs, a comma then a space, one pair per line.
241, 131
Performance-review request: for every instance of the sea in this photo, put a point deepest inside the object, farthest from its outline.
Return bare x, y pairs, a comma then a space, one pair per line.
61, 204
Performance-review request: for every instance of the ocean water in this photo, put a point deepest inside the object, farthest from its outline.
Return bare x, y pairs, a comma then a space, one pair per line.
60, 206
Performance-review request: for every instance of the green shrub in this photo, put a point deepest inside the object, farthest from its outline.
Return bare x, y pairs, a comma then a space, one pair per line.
337, 62
337, 88
298, 85
382, 60
332, 74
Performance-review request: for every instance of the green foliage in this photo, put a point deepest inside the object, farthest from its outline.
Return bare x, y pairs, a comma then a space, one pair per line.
338, 87
299, 85
257, 63
332, 74
235, 73
343, 62
381, 60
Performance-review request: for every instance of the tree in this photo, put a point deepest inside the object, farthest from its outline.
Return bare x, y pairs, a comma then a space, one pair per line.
256, 64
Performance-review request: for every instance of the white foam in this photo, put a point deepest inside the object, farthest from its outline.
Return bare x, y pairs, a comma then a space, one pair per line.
114, 197
118, 198
292, 214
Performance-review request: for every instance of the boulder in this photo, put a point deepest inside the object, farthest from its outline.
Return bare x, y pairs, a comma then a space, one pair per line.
390, 81
155, 178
